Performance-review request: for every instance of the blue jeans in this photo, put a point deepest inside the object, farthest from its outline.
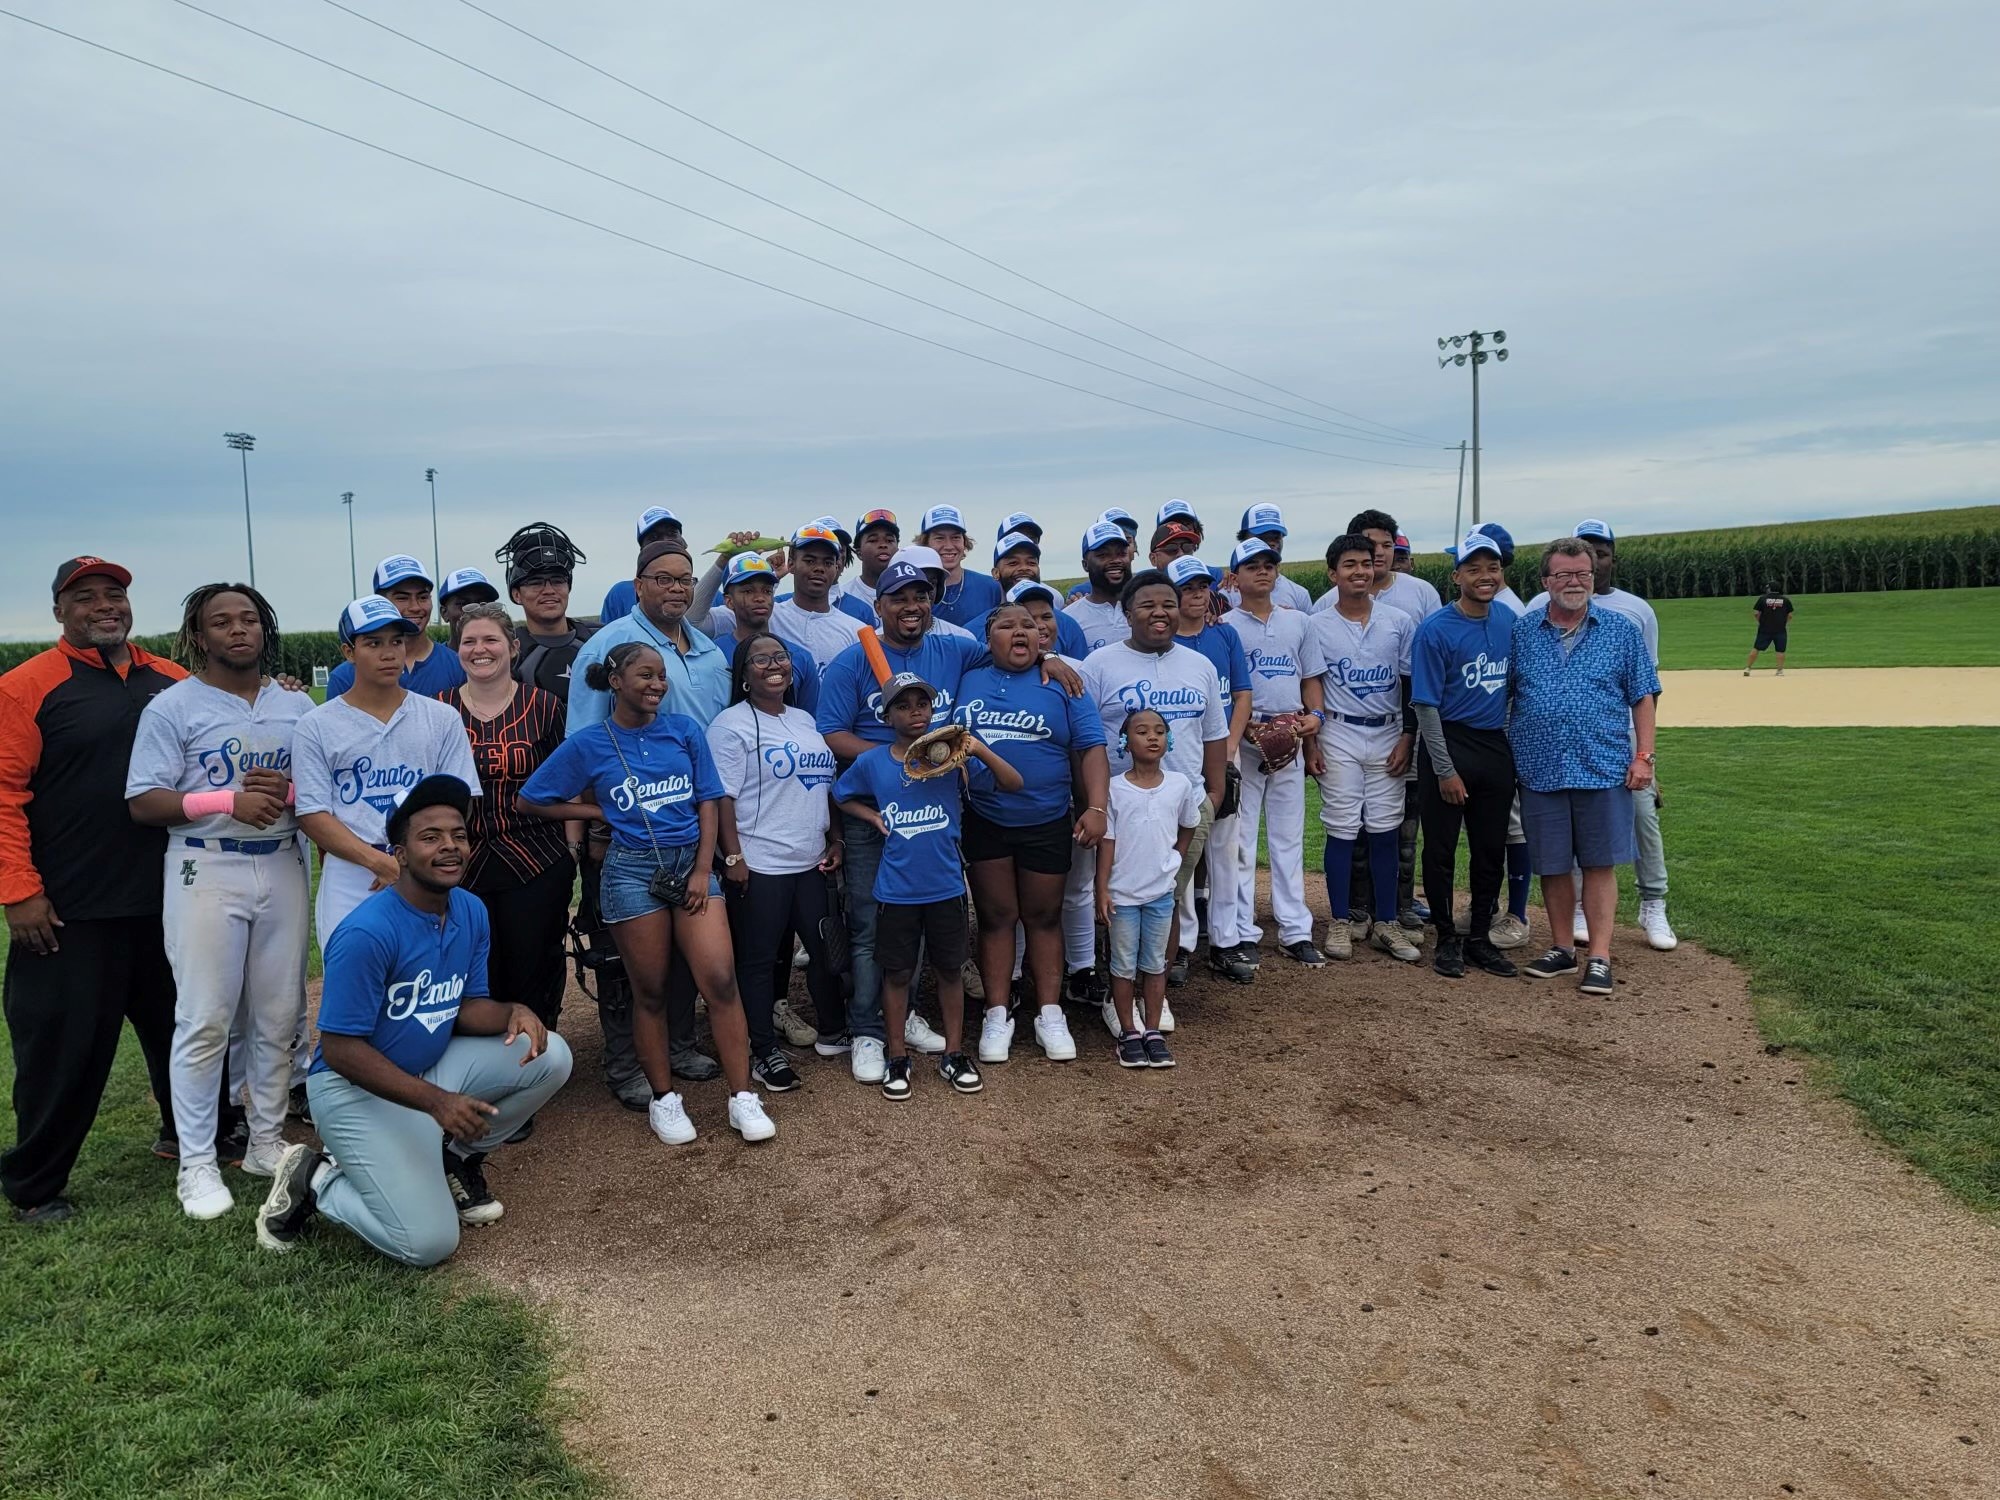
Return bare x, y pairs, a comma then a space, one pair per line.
864, 856
1139, 937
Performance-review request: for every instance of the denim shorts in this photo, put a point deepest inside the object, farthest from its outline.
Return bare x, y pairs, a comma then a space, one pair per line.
1592, 828
624, 890
1139, 937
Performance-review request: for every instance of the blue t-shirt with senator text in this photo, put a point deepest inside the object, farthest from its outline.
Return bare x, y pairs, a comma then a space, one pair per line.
920, 861
397, 976
849, 694
1459, 666
433, 677
1032, 725
657, 775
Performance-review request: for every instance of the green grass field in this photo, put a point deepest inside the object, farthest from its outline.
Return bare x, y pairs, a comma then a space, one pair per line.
1910, 627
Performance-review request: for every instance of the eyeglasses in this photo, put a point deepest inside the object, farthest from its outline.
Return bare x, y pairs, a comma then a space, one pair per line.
1583, 577
767, 663
668, 580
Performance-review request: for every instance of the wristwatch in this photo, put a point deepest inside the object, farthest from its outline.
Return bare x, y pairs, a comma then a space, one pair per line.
1646, 756
731, 861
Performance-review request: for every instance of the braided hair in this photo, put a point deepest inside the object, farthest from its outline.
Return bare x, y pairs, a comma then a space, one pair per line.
188, 650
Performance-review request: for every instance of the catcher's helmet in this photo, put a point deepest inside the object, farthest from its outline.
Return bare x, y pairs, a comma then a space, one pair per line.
537, 550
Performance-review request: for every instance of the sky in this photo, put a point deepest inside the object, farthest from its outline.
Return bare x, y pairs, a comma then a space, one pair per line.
1741, 252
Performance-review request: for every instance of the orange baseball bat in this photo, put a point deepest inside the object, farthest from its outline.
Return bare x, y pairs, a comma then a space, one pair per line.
871, 645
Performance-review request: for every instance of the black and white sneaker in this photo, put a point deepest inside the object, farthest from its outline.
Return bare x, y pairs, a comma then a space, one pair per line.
959, 1070
1131, 1050
1481, 954
1555, 962
299, 1105
1449, 960
466, 1177
1251, 954
1304, 952
290, 1204
1157, 1055
837, 1045
1596, 977
1177, 972
1224, 961
774, 1072
896, 1079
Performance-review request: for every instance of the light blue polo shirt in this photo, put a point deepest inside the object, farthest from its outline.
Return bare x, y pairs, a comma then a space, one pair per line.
697, 682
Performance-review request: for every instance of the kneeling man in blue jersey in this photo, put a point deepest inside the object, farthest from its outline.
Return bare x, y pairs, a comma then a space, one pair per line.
414, 1056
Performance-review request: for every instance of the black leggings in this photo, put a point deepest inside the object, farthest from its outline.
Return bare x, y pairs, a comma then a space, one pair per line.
762, 919
528, 920
1485, 763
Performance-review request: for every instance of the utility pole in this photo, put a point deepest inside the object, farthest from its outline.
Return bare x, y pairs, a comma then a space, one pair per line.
437, 560
1476, 356
353, 578
1458, 510
243, 442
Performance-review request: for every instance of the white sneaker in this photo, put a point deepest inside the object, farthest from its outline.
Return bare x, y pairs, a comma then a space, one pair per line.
791, 1026
747, 1118
262, 1160
869, 1059
918, 1036
670, 1121
1580, 927
996, 1035
1507, 931
1166, 1014
1391, 939
1052, 1033
1108, 1009
1339, 941
1653, 917
202, 1193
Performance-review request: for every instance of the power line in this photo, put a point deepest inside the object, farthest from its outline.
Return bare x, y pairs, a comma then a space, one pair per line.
634, 239
1317, 423
934, 234
881, 286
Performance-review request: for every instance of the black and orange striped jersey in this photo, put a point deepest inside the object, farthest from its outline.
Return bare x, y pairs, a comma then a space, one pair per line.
67, 721
509, 847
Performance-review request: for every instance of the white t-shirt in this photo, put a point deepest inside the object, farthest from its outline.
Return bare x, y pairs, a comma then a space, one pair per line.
1103, 624
1632, 607
1512, 600
1179, 683
1406, 592
779, 770
1144, 826
822, 634
1282, 652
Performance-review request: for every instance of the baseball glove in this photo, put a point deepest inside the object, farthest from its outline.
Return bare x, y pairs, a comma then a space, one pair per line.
1277, 741
938, 753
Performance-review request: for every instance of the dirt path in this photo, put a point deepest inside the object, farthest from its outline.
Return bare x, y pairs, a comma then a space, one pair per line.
1894, 697
1377, 1236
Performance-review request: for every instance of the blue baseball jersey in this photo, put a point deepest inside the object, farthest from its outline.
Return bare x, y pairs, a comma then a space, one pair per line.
396, 976
849, 694
657, 775
1032, 725
433, 677
619, 601
968, 599
1459, 665
920, 860
1223, 647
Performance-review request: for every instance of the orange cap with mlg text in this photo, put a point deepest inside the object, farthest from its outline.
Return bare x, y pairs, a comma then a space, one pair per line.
83, 567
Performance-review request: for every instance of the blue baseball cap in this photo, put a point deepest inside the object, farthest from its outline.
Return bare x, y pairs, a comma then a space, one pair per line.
468, 581
654, 515
1501, 535
1123, 519
1476, 541
1595, 529
1261, 520
401, 568
748, 567
901, 683
1175, 508
368, 615
1022, 522
1014, 541
1183, 571
940, 515
899, 576
1248, 548
1031, 588
1103, 534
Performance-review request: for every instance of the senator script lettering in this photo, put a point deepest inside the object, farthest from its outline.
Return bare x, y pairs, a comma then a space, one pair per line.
430, 1002
222, 765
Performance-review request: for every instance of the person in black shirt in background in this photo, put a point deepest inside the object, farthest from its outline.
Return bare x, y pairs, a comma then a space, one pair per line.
1773, 612
541, 565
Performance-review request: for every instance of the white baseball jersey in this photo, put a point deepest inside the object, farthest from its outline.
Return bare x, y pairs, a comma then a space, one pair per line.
1405, 591
1103, 624
1365, 664
1283, 652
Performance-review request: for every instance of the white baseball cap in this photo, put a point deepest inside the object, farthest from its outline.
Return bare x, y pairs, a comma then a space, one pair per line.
940, 515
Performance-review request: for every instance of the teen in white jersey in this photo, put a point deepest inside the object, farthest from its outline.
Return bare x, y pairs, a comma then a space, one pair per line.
1366, 741
1285, 669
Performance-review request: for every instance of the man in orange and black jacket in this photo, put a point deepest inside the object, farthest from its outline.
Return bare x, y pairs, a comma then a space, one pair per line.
81, 883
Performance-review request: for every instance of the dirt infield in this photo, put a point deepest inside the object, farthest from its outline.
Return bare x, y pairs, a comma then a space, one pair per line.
1379, 1235
1891, 697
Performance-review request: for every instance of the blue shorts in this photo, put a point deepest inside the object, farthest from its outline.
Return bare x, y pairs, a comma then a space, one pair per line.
1589, 828
1139, 937
624, 891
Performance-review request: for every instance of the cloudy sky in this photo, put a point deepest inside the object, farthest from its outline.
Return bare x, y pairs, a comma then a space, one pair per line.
1744, 252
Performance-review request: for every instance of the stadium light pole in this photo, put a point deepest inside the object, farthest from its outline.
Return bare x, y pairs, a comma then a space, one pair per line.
1476, 355
353, 578
243, 442
437, 560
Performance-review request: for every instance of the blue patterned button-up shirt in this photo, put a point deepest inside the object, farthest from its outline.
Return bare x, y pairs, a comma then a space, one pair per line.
1571, 718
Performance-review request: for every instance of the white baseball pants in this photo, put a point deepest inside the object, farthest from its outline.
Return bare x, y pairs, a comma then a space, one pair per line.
1280, 802
1357, 793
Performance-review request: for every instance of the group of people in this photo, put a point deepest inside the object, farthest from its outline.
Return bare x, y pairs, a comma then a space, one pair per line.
734, 772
